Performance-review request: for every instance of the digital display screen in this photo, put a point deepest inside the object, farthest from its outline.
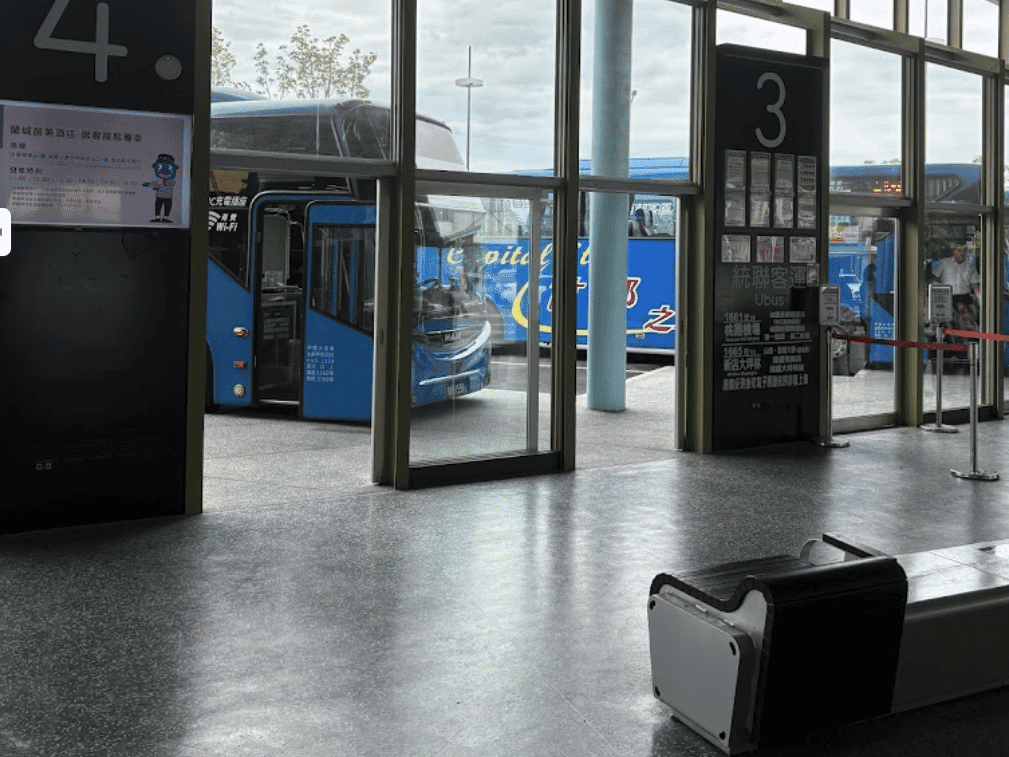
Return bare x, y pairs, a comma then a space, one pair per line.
887, 186
94, 167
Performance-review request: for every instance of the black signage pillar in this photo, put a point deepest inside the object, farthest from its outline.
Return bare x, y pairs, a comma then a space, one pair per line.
104, 185
768, 242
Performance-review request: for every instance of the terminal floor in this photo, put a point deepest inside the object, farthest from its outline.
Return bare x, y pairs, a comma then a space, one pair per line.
305, 617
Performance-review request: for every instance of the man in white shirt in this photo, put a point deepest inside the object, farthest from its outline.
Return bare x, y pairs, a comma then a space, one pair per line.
960, 272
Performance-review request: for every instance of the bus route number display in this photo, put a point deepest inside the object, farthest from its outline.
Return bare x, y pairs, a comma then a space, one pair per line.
769, 159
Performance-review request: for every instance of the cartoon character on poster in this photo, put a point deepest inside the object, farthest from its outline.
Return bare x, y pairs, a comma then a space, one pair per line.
165, 170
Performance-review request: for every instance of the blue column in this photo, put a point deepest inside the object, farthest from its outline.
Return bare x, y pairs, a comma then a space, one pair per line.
611, 123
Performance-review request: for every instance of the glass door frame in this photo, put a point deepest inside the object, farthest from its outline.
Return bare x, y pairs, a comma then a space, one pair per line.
844, 206
533, 460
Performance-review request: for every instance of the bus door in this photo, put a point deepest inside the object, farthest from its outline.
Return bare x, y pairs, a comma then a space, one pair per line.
339, 323
279, 235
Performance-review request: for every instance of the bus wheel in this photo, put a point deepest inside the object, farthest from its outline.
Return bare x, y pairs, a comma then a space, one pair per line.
209, 406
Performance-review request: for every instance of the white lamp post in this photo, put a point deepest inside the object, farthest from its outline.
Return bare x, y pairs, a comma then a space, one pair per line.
469, 82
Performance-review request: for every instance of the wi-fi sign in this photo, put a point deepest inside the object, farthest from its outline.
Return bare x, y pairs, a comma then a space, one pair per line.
5, 232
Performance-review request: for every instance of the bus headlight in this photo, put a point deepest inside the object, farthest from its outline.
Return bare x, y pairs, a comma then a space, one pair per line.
239, 390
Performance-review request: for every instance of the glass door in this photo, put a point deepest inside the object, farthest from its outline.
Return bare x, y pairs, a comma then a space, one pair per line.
339, 323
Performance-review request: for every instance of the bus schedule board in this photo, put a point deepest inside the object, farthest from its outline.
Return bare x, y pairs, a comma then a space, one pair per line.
76, 166
769, 159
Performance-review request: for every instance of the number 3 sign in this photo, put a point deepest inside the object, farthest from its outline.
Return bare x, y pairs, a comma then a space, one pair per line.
770, 101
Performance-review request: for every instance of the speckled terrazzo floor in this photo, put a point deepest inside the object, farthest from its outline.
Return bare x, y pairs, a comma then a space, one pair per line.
302, 616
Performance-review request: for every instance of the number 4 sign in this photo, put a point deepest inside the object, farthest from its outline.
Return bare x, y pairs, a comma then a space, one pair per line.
100, 48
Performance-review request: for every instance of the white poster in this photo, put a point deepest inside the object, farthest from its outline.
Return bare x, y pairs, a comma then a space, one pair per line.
735, 169
802, 250
72, 166
735, 248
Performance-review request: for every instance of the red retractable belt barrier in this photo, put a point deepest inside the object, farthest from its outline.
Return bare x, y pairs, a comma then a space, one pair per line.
900, 343
977, 335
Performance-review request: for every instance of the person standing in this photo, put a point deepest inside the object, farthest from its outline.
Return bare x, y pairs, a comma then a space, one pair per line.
961, 274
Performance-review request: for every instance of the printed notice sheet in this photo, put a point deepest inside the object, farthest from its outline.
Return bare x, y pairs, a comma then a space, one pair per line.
735, 169
735, 248
760, 172
735, 208
802, 250
771, 249
806, 212
784, 190
79, 166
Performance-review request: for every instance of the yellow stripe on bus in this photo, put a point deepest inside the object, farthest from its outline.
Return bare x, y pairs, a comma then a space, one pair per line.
522, 321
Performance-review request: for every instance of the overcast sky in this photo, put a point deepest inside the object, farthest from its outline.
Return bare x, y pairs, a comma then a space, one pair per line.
513, 43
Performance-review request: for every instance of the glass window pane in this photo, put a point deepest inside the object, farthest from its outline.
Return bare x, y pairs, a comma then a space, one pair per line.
1005, 255
648, 374
826, 6
250, 52
952, 244
660, 94
871, 12
343, 273
927, 18
660, 104
488, 72
368, 30
863, 263
865, 99
980, 27
651, 269
471, 298
952, 135
740, 29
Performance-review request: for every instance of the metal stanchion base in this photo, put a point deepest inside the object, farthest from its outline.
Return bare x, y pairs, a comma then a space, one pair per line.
942, 429
975, 475
829, 443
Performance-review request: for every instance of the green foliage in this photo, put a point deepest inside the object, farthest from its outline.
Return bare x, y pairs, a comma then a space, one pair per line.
305, 67
221, 60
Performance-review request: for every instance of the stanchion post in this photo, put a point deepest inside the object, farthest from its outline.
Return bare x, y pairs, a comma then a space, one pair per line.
828, 440
975, 473
939, 360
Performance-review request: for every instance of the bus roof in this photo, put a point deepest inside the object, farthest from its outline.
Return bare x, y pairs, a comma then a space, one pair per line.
967, 171
673, 169
230, 94
298, 107
641, 168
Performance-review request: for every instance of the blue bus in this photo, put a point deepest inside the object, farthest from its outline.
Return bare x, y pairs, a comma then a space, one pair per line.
862, 253
291, 277
861, 259
651, 264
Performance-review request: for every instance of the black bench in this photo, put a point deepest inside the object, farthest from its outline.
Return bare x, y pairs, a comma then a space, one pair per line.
830, 638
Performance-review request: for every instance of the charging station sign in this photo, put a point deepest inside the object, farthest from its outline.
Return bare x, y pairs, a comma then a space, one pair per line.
75, 166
